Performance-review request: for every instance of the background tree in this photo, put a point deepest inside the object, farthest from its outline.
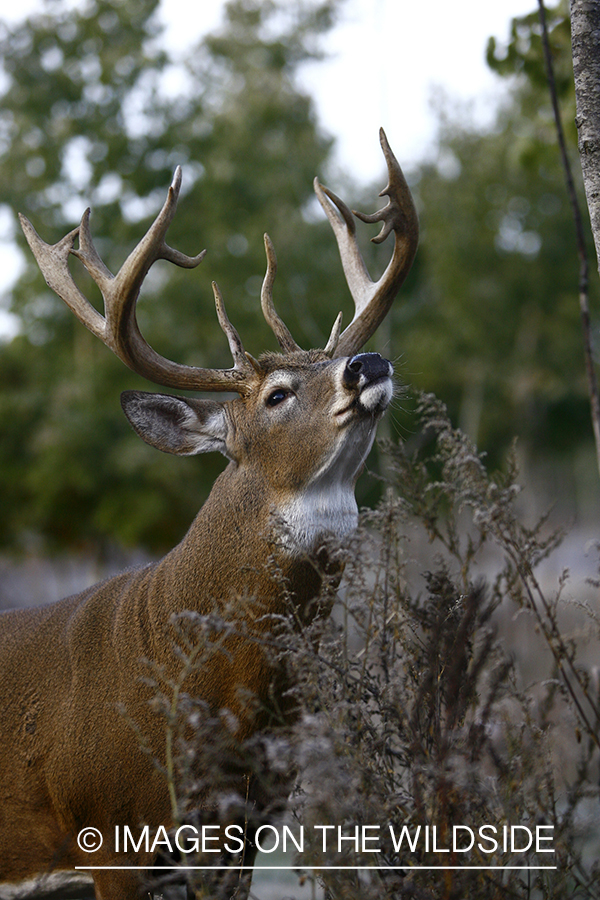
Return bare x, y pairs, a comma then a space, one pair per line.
585, 33
86, 120
494, 328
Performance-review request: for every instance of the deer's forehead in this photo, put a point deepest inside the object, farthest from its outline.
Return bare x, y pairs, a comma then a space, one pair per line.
297, 361
293, 370
296, 375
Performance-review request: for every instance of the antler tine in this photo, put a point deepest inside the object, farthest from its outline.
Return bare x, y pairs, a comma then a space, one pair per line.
240, 357
334, 337
277, 325
372, 300
52, 260
118, 328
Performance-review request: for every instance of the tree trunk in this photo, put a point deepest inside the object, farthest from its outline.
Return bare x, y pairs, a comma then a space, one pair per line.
585, 36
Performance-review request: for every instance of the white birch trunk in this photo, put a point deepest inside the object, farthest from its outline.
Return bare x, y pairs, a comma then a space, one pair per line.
585, 36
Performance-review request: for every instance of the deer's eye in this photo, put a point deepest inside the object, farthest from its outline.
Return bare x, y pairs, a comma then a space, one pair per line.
277, 397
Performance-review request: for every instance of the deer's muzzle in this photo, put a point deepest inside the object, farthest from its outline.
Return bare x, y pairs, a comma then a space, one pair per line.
366, 368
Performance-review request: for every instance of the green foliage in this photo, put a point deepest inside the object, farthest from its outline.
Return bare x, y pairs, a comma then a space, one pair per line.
87, 119
523, 54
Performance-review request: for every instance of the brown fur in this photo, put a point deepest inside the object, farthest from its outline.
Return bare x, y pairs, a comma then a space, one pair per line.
70, 759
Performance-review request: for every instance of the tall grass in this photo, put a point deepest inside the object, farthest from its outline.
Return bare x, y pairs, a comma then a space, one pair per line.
410, 711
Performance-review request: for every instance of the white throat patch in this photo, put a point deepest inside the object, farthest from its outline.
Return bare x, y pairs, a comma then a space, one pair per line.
317, 513
326, 508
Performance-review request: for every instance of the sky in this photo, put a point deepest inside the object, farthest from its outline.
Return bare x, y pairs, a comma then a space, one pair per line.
411, 53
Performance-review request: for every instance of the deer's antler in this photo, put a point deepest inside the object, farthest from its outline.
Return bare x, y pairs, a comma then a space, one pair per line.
277, 325
372, 300
118, 327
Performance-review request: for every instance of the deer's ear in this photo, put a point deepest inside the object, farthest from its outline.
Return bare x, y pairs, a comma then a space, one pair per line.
175, 424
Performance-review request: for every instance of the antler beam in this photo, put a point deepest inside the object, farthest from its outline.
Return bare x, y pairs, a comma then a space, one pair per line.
118, 328
372, 299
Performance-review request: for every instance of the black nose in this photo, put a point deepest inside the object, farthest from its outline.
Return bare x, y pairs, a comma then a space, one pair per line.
369, 367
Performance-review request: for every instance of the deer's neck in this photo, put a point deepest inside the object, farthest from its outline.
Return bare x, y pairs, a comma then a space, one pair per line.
245, 540
321, 512
233, 562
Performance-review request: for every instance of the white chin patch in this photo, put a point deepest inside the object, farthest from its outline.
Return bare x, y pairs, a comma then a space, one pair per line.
376, 397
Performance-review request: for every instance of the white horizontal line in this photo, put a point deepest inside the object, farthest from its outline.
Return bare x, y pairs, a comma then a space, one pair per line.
295, 868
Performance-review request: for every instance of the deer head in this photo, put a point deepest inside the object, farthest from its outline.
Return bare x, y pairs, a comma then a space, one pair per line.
303, 418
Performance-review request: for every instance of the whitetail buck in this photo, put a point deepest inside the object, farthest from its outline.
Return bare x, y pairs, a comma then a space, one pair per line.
296, 439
